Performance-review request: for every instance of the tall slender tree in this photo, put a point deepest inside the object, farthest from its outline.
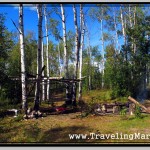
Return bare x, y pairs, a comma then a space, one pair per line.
89, 60
47, 55
123, 24
81, 49
23, 67
64, 41
43, 83
68, 101
77, 54
115, 27
39, 59
76, 41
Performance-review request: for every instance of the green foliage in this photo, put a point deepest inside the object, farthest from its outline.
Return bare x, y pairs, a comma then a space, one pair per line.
91, 68
137, 112
18, 118
123, 113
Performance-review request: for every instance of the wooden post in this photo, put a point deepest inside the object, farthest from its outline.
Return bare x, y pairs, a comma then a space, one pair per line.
132, 107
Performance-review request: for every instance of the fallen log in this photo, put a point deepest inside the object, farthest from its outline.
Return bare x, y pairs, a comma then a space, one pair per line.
137, 103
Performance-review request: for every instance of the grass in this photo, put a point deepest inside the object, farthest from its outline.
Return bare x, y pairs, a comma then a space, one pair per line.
101, 96
56, 128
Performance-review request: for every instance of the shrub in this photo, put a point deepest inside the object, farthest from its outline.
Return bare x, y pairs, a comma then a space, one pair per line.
123, 112
138, 113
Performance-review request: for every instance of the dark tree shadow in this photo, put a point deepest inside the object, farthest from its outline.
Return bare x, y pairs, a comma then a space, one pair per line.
61, 134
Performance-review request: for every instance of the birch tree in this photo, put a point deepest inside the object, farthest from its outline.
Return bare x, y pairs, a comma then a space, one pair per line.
90, 59
43, 84
23, 68
77, 54
81, 49
76, 41
68, 101
102, 39
134, 45
64, 41
115, 27
123, 24
99, 13
47, 54
39, 66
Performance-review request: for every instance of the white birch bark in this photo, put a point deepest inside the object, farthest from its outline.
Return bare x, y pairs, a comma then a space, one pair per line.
131, 24
43, 83
130, 16
115, 25
64, 41
39, 66
23, 69
59, 61
123, 25
76, 55
81, 49
103, 61
76, 41
47, 56
68, 101
90, 59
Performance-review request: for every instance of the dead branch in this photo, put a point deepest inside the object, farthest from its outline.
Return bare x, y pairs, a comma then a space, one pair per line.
137, 103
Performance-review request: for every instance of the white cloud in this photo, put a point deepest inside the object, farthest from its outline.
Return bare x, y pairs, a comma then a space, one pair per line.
31, 7
15, 6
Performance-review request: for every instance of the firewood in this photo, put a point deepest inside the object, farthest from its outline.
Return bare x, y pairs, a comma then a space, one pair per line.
137, 103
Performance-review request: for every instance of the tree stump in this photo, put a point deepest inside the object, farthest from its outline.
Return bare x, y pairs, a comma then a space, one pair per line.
132, 109
115, 109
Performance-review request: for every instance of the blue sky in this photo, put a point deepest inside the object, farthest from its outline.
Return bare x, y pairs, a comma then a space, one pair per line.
30, 21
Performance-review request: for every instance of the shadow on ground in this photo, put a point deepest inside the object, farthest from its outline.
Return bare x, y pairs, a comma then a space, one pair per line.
61, 134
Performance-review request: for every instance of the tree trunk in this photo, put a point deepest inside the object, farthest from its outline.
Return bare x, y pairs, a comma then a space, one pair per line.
123, 25
115, 25
23, 69
43, 83
59, 59
124, 33
76, 41
64, 41
131, 25
39, 66
103, 61
77, 55
47, 56
137, 103
68, 100
130, 17
81, 49
134, 45
89, 60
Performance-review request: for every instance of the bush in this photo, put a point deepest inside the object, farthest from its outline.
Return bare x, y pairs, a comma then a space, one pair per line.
123, 112
138, 113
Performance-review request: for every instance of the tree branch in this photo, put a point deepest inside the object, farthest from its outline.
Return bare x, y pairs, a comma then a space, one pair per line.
15, 25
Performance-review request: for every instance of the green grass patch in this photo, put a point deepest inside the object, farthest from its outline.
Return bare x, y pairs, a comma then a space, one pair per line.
101, 96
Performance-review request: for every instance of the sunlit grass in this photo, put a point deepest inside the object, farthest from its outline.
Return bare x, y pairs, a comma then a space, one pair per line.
56, 128
101, 96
